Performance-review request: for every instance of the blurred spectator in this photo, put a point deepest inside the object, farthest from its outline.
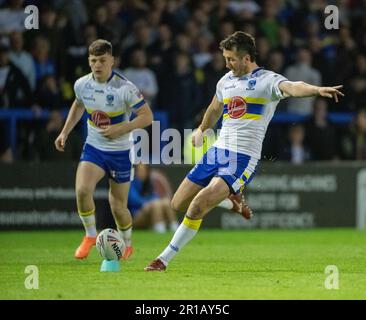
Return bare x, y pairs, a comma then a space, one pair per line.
212, 73
107, 22
6, 154
143, 77
12, 17
48, 93
358, 83
320, 61
176, 14
43, 143
345, 55
353, 143
50, 30
302, 71
268, 24
286, 45
141, 38
116, 26
102, 24
218, 13
180, 93
263, 50
201, 19
295, 151
226, 28
76, 58
161, 51
203, 55
154, 19
14, 87
183, 44
276, 61
77, 17
22, 59
44, 65
244, 7
147, 206
320, 134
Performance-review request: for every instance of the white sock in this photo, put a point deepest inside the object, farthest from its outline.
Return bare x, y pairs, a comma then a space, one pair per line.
88, 220
126, 235
159, 227
173, 226
185, 233
226, 204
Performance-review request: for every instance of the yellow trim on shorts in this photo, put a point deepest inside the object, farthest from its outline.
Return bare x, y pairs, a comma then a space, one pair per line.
192, 224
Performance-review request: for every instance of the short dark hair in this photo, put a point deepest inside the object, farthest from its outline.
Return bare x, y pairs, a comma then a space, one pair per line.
241, 41
100, 47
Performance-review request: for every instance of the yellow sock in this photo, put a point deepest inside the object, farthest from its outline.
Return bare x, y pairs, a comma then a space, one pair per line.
185, 233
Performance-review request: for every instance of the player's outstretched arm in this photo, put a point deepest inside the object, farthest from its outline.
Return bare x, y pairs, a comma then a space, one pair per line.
144, 117
302, 89
212, 115
76, 112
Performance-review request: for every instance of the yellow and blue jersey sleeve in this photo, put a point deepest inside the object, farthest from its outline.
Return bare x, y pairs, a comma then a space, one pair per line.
133, 97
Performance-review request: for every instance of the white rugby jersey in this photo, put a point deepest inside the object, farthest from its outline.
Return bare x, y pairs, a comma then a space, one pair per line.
117, 97
243, 128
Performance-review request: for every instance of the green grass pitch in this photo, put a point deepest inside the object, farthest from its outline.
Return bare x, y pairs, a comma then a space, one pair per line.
258, 264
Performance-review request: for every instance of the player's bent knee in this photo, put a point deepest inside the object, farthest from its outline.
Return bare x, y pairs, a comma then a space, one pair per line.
198, 206
177, 205
83, 191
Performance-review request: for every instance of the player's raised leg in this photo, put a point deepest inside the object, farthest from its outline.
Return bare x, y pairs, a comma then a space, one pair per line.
88, 175
202, 203
184, 195
118, 196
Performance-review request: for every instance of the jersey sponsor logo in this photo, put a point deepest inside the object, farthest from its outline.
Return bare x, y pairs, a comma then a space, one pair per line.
91, 98
251, 84
88, 86
110, 99
120, 174
100, 118
237, 107
230, 87
99, 91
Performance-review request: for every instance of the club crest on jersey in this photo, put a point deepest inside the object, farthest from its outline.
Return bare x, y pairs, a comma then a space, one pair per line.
88, 86
110, 99
237, 107
251, 84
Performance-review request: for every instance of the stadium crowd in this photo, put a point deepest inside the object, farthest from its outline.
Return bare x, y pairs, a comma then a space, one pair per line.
170, 50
